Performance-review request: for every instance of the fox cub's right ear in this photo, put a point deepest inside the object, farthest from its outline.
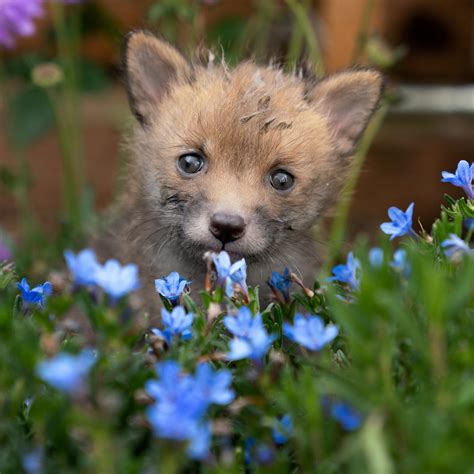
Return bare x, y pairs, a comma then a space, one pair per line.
151, 66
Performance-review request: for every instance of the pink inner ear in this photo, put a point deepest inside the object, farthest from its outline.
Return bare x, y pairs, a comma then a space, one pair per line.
348, 113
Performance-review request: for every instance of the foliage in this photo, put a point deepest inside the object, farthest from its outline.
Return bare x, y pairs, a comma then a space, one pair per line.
393, 392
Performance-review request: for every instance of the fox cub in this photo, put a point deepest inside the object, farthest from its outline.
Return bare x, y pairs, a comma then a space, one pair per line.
244, 159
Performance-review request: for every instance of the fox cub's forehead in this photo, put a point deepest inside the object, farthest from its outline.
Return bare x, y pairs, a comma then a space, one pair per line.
247, 107
245, 93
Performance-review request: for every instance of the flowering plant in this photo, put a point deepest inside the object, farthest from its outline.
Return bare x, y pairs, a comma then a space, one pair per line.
359, 360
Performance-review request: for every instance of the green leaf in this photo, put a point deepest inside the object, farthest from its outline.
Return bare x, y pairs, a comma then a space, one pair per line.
92, 77
8, 179
29, 116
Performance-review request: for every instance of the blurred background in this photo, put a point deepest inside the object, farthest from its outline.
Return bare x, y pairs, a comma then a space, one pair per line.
64, 110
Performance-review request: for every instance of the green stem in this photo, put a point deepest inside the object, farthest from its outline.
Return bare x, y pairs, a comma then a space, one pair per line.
257, 30
67, 109
363, 32
70, 190
304, 24
20, 192
338, 229
469, 235
296, 44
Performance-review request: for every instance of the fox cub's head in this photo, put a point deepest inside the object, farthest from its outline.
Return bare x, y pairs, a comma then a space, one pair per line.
243, 158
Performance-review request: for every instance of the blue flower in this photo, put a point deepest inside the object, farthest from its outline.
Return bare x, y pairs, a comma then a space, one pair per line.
282, 429
229, 274
252, 340
402, 222
171, 384
181, 402
400, 263
469, 223
376, 257
461, 178
172, 286
200, 442
249, 445
455, 247
281, 282
214, 386
32, 462
37, 295
348, 273
82, 266
66, 372
243, 323
176, 323
349, 418
177, 413
261, 453
254, 347
117, 280
310, 332
264, 454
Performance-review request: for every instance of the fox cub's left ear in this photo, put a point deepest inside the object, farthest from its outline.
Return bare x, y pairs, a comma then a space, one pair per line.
348, 100
151, 66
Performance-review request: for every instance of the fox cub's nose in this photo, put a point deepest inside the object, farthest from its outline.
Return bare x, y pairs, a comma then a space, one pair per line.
227, 227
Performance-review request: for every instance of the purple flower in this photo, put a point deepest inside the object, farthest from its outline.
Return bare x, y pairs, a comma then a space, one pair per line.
376, 257
229, 274
348, 273
349, 418
310, 332
83, 266
66, 372
281, 282
37, 295
117, 280
181, 402
461, 178
16, 19
400, 263
402, 222
172, 286
176, 323
282, 429
455, 248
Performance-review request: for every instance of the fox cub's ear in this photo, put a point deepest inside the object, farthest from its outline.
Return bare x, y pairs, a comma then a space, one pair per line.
348, 100
151, 66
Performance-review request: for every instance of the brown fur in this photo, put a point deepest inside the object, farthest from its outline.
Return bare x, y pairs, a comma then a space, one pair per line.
247, 122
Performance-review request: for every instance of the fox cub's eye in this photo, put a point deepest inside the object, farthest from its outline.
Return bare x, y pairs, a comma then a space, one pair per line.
281, 180
191, 163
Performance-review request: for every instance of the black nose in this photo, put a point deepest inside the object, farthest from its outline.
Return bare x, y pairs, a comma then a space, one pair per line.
227, 227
